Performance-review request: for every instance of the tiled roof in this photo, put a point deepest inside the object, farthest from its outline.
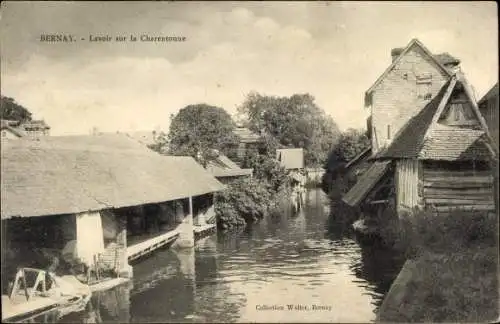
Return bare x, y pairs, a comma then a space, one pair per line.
34, 124
62, 175
292, 158
450, 143
366, 183
225, 173
246, 136
222, 166
446, 58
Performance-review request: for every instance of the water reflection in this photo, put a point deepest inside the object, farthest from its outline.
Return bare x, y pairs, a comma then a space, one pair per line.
304, 258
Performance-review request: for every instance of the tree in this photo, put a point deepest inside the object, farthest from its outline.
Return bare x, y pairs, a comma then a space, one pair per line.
11, 110
198, 130
351, 143
294, 121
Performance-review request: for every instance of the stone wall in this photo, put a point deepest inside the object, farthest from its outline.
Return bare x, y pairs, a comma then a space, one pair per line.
402, 93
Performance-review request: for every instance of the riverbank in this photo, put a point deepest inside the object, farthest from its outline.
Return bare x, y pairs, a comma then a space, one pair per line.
451, 274
461, 287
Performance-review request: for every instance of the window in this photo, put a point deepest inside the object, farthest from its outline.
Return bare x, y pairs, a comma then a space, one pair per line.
459, 113
388, 131
424, 86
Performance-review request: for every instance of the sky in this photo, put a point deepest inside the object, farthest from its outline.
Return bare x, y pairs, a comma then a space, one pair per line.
332, 50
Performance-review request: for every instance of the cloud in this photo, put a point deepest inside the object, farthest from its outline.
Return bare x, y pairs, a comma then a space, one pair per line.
231, 50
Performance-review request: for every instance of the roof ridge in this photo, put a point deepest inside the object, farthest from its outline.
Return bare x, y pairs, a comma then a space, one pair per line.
414, 41
442, 104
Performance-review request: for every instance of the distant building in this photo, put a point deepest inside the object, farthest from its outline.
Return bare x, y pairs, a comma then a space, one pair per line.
248, 140
9, 129
35, 128
488, 105
225, 170
291, 158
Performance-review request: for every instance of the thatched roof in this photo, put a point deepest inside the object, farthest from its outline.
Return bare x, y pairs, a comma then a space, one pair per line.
62, 175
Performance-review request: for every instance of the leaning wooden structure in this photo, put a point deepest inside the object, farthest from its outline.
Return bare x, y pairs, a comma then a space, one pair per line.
439, 159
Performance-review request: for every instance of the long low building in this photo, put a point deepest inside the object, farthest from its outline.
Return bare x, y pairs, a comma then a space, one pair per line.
93, 194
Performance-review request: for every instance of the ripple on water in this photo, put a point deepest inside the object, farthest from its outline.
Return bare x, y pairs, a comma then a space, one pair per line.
288, 260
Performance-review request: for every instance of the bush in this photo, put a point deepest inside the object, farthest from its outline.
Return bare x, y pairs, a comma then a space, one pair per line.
424, 230
227, 216
267, 170
250, 199
243, 201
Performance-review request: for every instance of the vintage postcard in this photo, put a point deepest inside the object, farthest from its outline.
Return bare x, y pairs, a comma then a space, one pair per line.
249, 162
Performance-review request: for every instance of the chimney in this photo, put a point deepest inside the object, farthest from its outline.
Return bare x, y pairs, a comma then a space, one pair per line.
395, 52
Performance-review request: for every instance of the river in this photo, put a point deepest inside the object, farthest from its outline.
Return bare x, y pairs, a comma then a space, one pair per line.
306, 262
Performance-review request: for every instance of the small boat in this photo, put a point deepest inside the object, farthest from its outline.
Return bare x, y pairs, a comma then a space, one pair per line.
35, 291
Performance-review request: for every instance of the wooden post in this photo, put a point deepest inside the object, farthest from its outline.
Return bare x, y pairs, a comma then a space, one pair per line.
186, 230
191, 206
23, 277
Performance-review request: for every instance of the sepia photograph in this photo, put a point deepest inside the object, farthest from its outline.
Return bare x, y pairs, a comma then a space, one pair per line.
249, 161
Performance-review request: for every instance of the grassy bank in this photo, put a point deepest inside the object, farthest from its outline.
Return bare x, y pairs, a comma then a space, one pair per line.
453, 271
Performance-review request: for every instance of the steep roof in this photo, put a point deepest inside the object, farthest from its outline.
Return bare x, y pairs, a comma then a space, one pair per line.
413, 42
450, 143
423, 138
222, 166
62, 175
359, 158
291, 158
366, 183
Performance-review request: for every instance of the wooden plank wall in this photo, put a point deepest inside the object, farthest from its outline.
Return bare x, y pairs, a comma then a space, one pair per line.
407, 177
468, 189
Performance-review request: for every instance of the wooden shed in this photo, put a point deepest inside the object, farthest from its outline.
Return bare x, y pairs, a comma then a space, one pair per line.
438, 160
